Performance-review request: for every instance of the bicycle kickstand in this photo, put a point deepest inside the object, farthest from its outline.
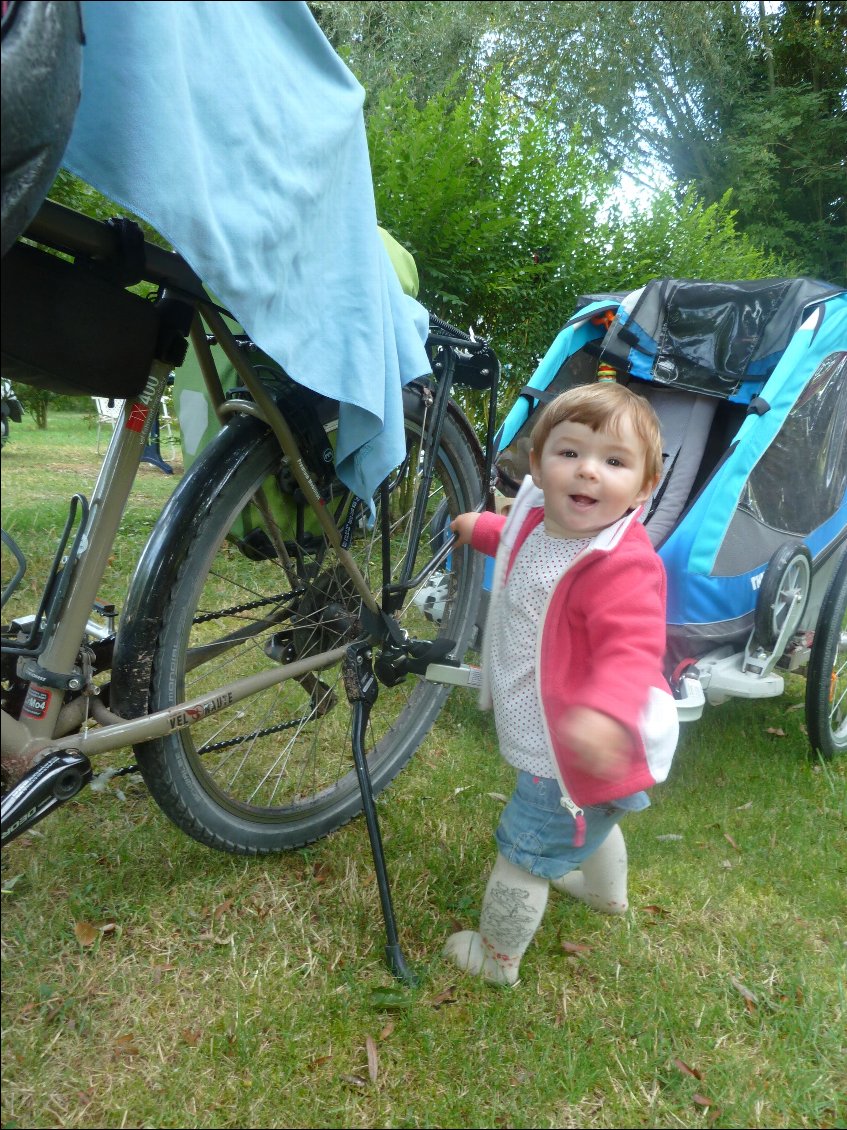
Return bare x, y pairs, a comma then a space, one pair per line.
361, 687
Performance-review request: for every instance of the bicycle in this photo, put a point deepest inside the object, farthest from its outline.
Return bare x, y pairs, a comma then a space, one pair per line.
267, 598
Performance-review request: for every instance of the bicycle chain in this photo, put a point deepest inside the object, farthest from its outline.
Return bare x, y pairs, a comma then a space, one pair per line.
230, 742
279, 598
134, 768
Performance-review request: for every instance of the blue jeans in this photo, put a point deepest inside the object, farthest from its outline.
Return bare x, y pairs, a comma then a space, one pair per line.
536, 833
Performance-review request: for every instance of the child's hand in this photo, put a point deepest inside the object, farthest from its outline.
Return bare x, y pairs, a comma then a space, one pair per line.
601, 746
463, 525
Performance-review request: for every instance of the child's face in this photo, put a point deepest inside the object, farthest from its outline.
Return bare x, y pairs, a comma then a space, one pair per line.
589, 479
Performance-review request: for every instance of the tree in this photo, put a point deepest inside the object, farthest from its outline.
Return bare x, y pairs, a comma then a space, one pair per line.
426, 42
500, 217
36, 401
510, 219
718, 94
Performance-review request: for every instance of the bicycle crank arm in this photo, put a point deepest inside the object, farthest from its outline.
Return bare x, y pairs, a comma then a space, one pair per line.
54, 780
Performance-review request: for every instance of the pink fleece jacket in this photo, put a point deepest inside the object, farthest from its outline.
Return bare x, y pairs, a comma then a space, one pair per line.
601, 643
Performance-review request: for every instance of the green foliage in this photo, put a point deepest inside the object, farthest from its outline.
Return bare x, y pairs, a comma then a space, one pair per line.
426, 40
684, 238
74, 193
495, 212
510, 218
719, 95
38, 401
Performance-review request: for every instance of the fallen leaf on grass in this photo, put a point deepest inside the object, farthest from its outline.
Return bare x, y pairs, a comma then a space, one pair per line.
576, 947
87, 933
498, 796
686, 1070
390, 998
750, 998
387, 1030
446, 996
373, 1058
653, 909
126, 1045
319, 1062
192, 1036
222, 908
668, 838
777, 731
701, 1100
354, 1080
744, 807
731, 841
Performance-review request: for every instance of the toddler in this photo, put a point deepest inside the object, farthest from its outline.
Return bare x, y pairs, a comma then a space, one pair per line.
572, 663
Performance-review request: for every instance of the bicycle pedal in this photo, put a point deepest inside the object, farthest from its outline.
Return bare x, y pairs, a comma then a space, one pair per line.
461, 676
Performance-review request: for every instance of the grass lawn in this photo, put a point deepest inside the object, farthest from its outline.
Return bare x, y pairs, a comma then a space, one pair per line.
149, 982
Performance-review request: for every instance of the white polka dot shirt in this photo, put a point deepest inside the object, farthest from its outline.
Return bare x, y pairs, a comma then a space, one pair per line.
517, 613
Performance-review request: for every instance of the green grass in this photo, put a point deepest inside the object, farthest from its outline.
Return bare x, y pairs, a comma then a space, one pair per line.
42, 470
214, 991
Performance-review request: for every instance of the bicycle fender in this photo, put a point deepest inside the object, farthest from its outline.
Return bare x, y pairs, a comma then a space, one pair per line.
415, 390
174, 532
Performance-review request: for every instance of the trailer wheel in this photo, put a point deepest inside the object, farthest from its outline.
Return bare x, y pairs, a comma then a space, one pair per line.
826, 678
783, 594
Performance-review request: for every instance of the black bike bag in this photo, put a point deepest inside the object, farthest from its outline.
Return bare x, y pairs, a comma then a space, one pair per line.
68, 330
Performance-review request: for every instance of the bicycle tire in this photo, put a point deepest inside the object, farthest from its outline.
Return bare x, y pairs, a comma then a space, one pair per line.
826, 676
275, 772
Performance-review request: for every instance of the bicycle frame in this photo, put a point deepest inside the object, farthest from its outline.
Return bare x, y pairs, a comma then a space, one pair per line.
53, 729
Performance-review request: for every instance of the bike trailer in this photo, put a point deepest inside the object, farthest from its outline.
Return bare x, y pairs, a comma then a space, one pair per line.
749, 380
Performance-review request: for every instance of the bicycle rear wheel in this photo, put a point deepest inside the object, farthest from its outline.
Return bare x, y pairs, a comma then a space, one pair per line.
275, 771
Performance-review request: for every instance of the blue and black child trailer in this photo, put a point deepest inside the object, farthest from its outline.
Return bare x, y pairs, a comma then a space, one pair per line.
749, 380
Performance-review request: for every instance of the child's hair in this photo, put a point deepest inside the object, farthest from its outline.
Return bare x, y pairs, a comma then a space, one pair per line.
604, 405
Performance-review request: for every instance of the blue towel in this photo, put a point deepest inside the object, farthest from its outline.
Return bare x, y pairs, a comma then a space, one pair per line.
236, 131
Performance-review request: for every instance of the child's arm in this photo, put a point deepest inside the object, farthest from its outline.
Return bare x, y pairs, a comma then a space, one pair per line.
463, 527
480, 530
623, 616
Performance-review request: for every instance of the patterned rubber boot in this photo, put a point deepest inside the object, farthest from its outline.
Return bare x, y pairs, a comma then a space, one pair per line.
512, 910
601, 884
